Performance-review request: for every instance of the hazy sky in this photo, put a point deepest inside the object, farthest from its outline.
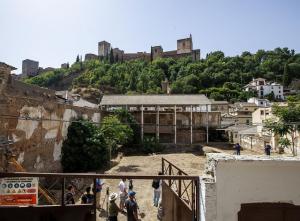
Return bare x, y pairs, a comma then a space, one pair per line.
55, 31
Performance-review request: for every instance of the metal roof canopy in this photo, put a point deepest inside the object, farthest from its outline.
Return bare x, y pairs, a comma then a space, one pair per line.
198, 99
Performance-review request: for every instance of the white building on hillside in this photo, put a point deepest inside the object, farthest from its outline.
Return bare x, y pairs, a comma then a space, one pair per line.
264, 88
260, 102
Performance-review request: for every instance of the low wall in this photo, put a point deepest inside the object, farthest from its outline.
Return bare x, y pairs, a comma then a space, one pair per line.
53, 213
243, 180
174, 208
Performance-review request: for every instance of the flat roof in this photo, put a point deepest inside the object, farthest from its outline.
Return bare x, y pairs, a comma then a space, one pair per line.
198, 99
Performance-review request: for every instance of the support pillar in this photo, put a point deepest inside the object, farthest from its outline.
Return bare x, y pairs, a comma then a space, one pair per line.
175, 125
142, 123
191, 124
157, 123
207, 121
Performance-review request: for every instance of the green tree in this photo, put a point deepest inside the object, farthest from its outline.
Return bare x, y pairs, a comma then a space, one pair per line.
286, 76
84, 149
116, 133
286, 123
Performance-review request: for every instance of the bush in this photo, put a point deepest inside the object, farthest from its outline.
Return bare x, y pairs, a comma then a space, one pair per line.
151, 145
84, 149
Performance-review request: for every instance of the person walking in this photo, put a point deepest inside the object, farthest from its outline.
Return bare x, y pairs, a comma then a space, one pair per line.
156, 185
87, 197
131, 207
237, 147
123, 193
69, 198
268, 149
113, 209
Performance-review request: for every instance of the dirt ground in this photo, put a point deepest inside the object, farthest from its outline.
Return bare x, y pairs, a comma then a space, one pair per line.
149, 165
192, 164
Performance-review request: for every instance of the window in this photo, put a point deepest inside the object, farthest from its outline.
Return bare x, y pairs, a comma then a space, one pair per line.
247, 122
261, 103
183, 44
261, 112
278, 87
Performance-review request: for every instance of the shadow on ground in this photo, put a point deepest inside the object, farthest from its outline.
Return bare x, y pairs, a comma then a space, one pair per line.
129, 168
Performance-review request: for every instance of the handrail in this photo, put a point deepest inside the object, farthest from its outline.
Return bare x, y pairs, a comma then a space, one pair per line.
182, 188
95, 175
181, 171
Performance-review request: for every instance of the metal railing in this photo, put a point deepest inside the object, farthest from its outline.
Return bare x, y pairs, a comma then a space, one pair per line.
186, 189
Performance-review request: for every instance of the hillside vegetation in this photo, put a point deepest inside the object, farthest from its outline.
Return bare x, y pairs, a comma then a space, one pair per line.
219, 76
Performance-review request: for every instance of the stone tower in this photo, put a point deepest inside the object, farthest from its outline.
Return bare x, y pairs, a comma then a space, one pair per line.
30, 67
185, 45
103, 48
157, 52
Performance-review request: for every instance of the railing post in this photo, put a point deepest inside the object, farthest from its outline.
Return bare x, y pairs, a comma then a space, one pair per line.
193, 200
162, 166
179, 185
63, 192
197, 183
170, 171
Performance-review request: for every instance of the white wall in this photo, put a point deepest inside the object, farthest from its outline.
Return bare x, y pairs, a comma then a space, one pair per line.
250, 181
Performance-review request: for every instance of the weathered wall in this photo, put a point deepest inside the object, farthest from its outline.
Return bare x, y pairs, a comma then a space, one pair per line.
37, 123
252, 181
208, 201
174, 207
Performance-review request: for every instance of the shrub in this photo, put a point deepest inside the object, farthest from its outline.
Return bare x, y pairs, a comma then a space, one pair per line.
151, 145
84, 149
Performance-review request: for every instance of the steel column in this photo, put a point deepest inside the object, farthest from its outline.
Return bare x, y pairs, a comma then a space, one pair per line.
157, 123
207, 122
191, 124
175, 125
142, 123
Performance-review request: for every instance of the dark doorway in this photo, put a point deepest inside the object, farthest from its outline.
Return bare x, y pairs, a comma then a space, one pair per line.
269, 212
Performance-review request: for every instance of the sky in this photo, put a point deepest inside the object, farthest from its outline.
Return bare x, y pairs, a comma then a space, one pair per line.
55, 31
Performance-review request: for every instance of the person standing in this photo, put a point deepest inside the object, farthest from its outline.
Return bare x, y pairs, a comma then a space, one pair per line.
130, 185
123, 193
268, 149
87, 197
99, 185
156, 185
238, 148
131, 207
69, 198
113, 209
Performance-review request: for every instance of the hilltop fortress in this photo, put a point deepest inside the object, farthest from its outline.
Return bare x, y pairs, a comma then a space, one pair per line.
184, 49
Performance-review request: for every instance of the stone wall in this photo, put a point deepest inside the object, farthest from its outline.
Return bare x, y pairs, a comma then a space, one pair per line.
37, 122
